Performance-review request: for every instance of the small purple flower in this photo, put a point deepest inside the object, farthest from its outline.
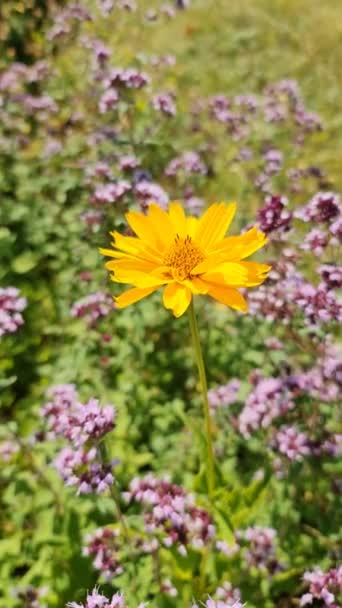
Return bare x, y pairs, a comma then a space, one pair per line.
274, 215
92, 307
224, 395
150, 192
103, 547
172, 512
188, 162
315, 241
128, 162
323, 207
109, 100
81, 468
323, 586
331, 276
292, 443
164, 102
269, 400
260, 551
110, 193
97, 600
11, 306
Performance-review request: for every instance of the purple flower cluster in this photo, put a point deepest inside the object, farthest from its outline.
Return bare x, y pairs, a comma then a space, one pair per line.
81, 468
92, 307
315, 241
225, 596
324, 587
8, 449
331, 276
318, 304
260, 551
109, 100
323, 207
269, 400
82, 425
148, 192
126, 78
274, 215
110, 193
11, 306
292, 443
171, 510
103, 547
128, 162
79, 423
188, 162
225, 395
164, 102
30, 596
97, 600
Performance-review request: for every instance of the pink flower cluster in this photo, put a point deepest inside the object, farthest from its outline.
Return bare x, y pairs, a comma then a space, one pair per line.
97, 600
126, 78
331, 276
11, 306
92, 307
82, 425
103, 547
323, 586
318, 304
274, 215
323, 207
225, 395
260, 551
110, 193
169, 509
269, 400
225, 596
82, 468
292, 443
77, 422
188, 162
8, 449
164, 102
148, 192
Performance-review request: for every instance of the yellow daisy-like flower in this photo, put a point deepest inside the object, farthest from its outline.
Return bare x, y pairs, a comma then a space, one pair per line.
187, 255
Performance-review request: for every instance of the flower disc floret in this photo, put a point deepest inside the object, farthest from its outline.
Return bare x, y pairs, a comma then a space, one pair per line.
182, 257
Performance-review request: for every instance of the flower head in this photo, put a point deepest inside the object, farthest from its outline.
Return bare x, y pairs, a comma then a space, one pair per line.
187, 255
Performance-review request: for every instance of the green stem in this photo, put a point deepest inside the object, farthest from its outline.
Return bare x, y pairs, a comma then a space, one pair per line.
203, 380
115, 497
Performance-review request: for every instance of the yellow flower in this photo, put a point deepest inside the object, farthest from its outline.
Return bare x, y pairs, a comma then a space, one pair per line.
187, 255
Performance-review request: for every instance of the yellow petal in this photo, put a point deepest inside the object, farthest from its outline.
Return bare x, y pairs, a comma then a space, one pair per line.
138, 279
162, 224
178, 219
214, 224
177, 297
228, 296
242, 246
145, 229
256, 273
133, 295
131, 264
230, 273
191, 225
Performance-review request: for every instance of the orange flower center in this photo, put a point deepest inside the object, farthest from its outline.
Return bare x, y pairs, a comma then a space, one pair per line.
182, 257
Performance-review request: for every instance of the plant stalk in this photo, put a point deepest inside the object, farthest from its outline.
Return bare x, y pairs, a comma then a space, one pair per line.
210, 471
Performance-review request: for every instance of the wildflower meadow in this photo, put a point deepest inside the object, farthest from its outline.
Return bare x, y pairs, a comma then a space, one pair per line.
170, 362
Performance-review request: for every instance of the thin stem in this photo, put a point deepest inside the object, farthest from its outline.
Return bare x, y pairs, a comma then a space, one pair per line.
114, 495
203, 380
